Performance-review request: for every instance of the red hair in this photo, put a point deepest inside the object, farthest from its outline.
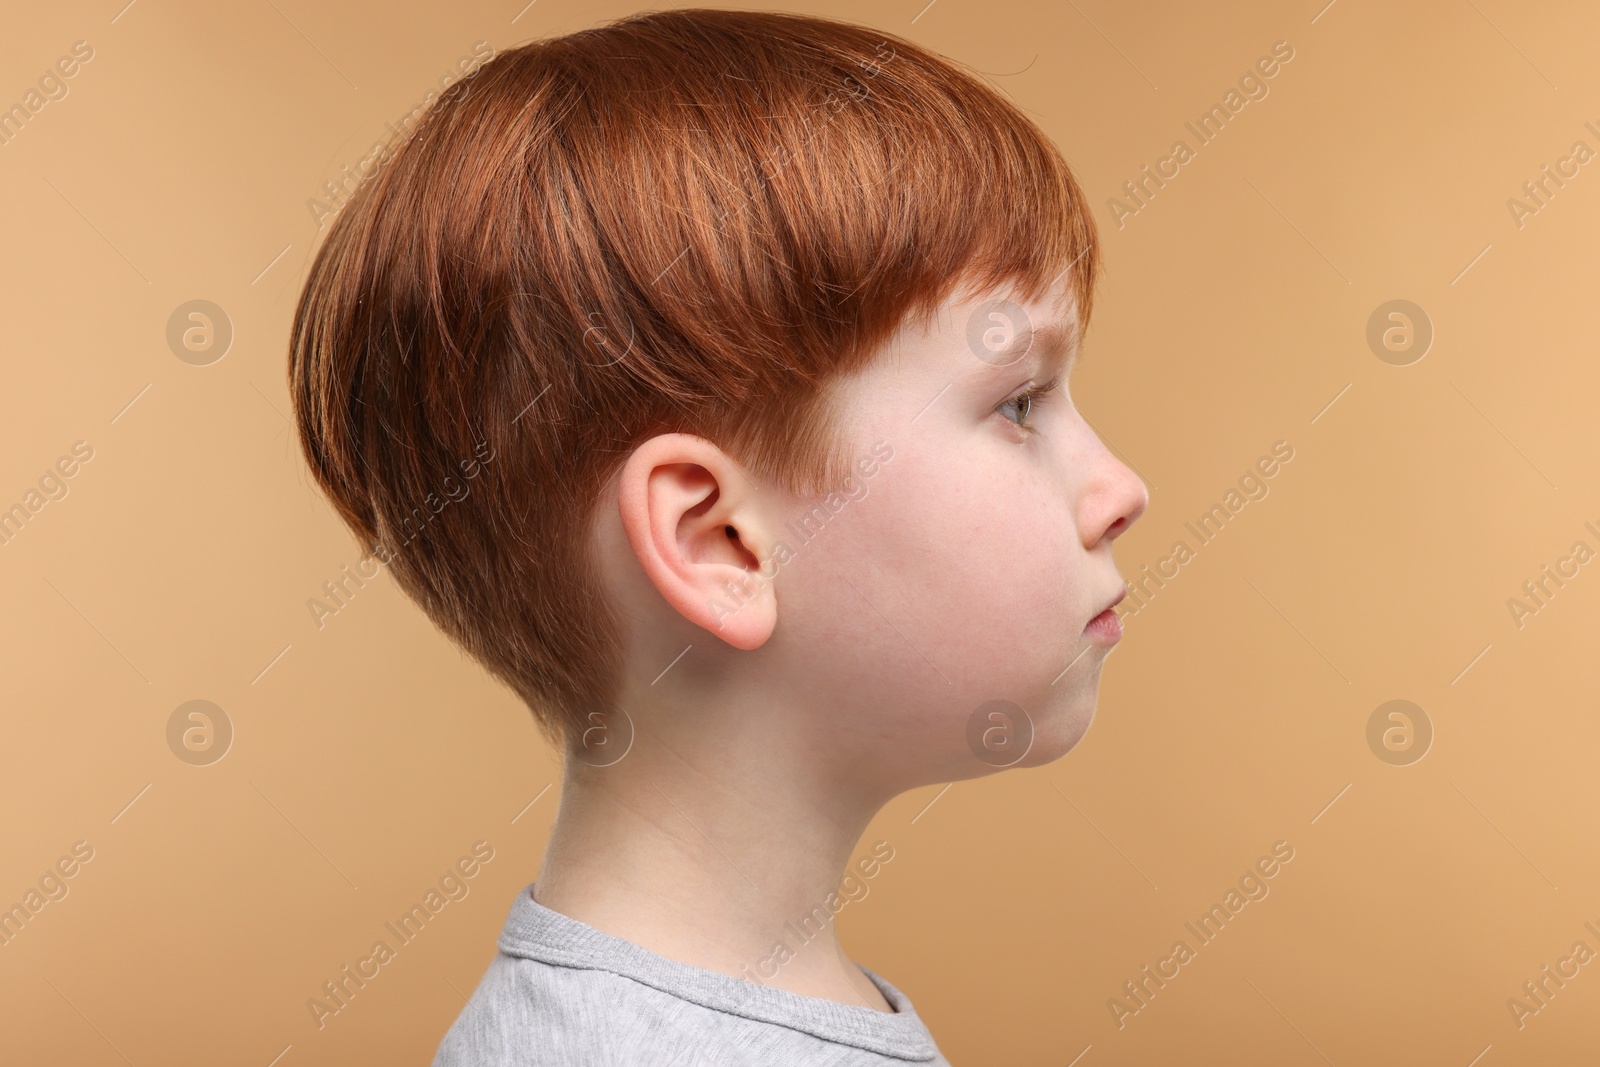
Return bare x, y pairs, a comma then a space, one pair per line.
685, 220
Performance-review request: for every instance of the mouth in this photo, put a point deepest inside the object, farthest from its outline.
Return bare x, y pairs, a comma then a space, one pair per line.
1106, 627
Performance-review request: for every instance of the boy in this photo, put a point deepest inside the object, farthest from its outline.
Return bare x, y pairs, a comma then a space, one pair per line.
746, 335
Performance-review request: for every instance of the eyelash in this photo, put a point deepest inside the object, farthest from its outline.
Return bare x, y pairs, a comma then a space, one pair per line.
1031, 395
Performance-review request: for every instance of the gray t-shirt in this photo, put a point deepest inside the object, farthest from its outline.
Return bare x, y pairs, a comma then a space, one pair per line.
562, 993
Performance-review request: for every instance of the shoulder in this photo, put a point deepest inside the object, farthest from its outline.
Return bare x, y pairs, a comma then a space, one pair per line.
527, 1013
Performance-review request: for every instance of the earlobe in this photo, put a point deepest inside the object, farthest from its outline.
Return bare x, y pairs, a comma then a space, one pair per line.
698, 529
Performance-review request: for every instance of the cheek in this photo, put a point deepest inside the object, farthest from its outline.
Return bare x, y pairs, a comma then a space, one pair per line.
974, 563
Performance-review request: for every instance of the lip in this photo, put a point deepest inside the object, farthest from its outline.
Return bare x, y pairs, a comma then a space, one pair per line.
1106, 627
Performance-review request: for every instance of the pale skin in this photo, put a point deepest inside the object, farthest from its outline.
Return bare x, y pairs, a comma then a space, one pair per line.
965, 574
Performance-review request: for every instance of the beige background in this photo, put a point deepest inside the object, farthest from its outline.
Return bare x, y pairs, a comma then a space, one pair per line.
369, 755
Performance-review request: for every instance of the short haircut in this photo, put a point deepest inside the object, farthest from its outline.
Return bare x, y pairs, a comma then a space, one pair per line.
685, 220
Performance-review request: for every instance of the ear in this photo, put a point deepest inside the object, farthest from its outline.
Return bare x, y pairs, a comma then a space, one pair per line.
704, 535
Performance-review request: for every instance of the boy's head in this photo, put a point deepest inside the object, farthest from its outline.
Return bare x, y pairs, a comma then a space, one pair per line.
672, 367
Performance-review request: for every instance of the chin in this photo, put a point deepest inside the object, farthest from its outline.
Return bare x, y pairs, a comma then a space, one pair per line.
1055, 732
1057, 735
1045, 730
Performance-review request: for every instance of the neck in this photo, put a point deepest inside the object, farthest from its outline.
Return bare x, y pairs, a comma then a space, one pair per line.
722, 860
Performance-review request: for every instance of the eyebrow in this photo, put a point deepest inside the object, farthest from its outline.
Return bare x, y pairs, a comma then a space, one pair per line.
1053, 345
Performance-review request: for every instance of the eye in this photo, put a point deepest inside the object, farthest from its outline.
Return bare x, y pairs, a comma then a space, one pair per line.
1024, 401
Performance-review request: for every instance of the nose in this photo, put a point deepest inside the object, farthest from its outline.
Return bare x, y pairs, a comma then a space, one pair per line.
1114, 500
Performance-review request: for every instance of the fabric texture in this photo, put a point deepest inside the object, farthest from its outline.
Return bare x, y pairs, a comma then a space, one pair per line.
562, 993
